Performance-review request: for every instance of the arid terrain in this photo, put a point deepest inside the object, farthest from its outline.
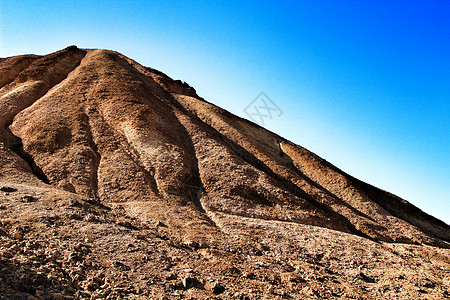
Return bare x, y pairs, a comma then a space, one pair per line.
118, 182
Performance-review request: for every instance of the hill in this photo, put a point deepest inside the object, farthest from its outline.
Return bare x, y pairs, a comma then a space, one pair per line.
119, 182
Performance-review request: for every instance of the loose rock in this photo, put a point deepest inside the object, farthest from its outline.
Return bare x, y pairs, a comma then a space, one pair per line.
217, 288
8, 189
28, 199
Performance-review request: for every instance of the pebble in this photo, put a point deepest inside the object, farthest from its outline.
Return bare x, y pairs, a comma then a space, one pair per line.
74, 203
191, 244
75, 216
121, 266
16, 235
249, 275
291, 277
74, 256
366, 278
8, 189
217, 288
28, 199
189, 282
91, 286
90, 218
81, 248
261, 264
160, 224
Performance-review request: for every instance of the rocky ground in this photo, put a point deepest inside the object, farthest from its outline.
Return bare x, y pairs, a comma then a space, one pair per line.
117, 182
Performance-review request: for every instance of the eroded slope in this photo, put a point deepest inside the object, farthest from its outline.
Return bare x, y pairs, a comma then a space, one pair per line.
96, 127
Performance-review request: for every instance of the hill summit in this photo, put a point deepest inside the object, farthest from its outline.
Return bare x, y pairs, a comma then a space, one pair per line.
119, 182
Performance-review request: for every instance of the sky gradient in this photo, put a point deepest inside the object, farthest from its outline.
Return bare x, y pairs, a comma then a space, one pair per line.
363, 84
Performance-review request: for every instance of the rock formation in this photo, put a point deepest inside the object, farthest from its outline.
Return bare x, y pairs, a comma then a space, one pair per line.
119, 182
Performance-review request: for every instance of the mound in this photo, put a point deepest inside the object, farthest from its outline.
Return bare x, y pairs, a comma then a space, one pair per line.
119, 182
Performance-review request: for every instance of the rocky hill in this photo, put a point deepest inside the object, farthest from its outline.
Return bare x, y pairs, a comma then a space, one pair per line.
118, 182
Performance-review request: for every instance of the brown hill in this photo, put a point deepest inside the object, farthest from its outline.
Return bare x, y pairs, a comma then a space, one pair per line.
119, 182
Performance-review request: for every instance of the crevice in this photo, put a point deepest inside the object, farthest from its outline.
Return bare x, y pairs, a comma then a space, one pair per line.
248, 157
290, 186
136, 158
388, 202
280, 182
283, 184
131, 153
96, 161
17, 147
317, 185
193, 184
405, 211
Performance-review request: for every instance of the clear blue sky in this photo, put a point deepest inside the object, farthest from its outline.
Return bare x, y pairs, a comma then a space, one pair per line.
364, 84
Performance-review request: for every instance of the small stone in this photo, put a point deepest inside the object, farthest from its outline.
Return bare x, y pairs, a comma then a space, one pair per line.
217, 288
75, 217
28, 199
74, 256
8, 189
16, 235
121, 266
174, 259
74, 203
191, 244
82, 295
160, 224
429, 284
248, 275
366, 278
90, 218
126, 224
189, 282
91, 286
81, 248
261, 264
291, 277
243, 297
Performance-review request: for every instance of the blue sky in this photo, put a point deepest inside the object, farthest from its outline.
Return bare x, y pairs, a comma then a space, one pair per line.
364, 84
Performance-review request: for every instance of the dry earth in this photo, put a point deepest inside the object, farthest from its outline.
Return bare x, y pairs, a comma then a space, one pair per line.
118, 182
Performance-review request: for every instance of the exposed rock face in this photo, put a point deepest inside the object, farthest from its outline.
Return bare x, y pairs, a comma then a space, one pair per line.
116, 154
